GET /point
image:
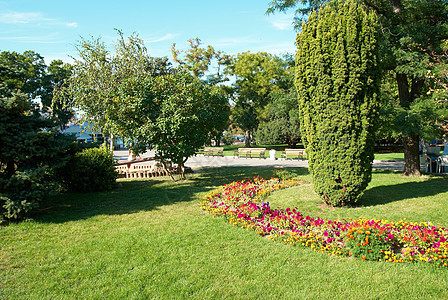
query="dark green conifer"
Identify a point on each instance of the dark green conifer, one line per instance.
(337, 81)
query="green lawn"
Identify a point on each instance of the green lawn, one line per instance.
(149, 239)
(389, 156)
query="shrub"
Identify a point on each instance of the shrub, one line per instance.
(228, 138)
(90, 170)
(21, 194)
(283, 174)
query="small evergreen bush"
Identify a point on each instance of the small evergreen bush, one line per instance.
(21, 193)
(90, 170)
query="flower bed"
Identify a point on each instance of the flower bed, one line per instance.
(241, 203)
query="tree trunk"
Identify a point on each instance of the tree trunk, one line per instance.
(247, 141)
(410, 142)
(181, 171)
(112, 142)
(411, 156)
(167, 169)
(292, 143)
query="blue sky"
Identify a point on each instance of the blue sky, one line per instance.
(52, 28)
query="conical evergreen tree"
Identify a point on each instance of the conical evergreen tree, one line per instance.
(337, 81)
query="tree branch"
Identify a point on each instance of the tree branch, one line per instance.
(377, 9)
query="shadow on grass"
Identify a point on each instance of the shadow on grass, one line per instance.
(384, 194)
(144, 195)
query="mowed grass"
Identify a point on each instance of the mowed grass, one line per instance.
(389, 156)
(150, 239)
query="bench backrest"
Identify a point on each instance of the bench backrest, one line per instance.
(257, 150)
(214, 149)
(294, 151)
(244, 150)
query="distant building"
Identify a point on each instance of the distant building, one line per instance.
(83, 133)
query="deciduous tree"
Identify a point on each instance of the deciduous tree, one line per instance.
(257, 75)
(207, 64)
(143, 99)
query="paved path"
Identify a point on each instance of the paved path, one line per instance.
(200, 161)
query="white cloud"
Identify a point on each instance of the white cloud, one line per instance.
(44, 39)
(31, 18)
(72, 24)
(281, 21)
(19, 18)
(232, 42)
(168, 36)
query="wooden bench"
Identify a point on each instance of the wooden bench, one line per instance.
(212, 151)
(250, 152)
(294, 154)
(128, 163)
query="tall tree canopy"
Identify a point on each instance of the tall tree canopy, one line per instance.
(409, 31)
(337, 83)
(199, 60)
(279, 121)
(257, 75)
(207, 64)
(142, 99)
(29, 68)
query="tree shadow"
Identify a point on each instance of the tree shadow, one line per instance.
(384, 194)
(144, 195)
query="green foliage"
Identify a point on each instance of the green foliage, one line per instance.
(90, 170)
(367, 244)
(337, 81)
(228, 138)
(181, 120)
(37, 80)
(56, 76)
(283, 174)
(144, 100)
(280, 122)
(29, 155)
(198, 60)
(21, 193)
(103, 85)
(29, 71)
(411, 37)
(257, 75)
